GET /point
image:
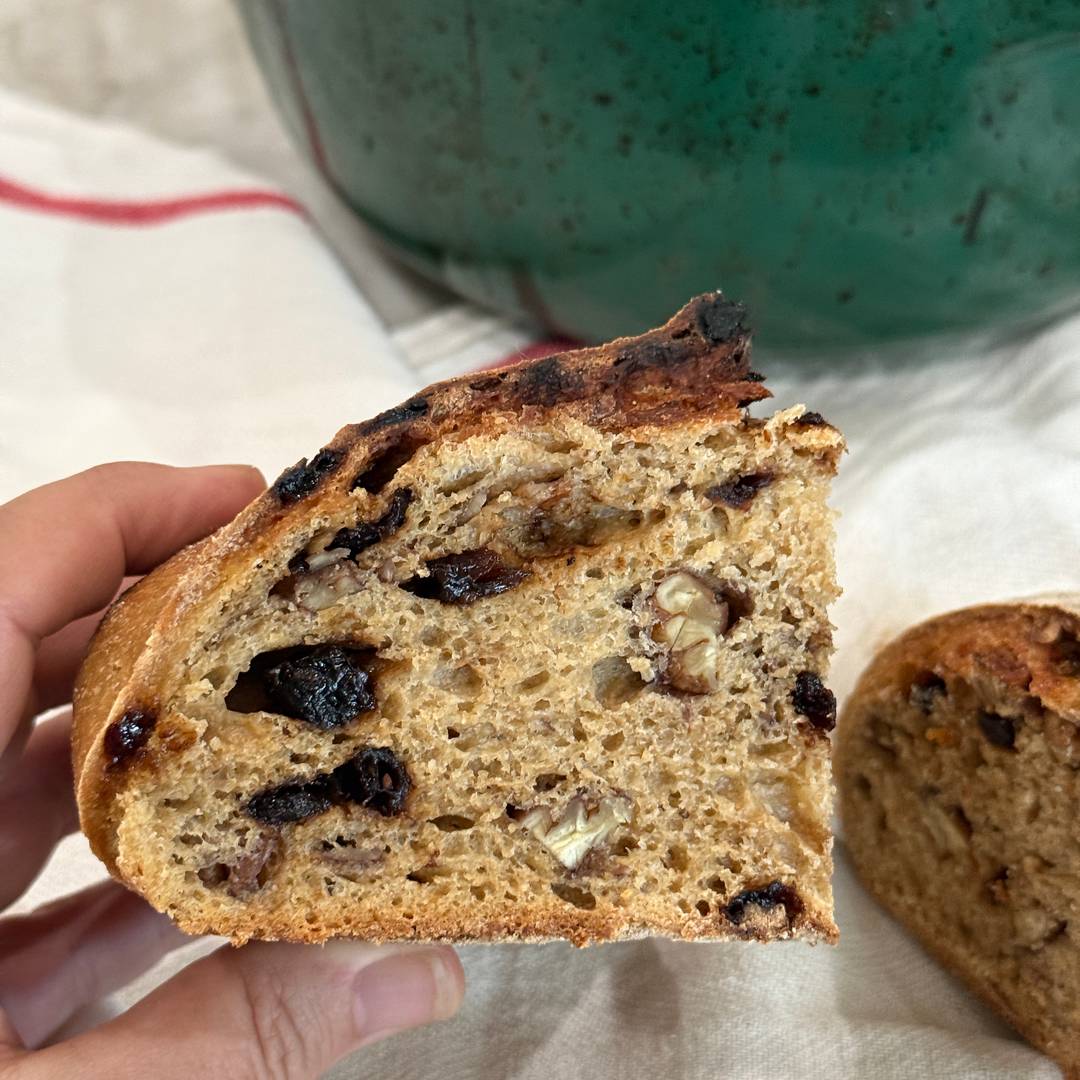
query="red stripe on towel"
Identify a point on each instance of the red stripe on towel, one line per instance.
(141, 211)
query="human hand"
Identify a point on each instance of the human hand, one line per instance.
(265, 1010)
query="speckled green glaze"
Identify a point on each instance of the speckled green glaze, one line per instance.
(857, 171)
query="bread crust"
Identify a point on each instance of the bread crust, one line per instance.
(696, 365)
(988, 639)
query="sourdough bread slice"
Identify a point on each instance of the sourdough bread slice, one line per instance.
(537, 654)
(958, 763)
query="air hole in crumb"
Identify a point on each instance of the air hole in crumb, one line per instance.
(623, 845)
(548, 781)
(299, 759)
(461, 481)
(613, 742)
(190, 839)
(595, 573)
(452, 823)
(579, 731)
(677, 858)
(463, 681)
(702, 907)
(541, 704)
(717, 885)
(580, 898)
(534, 682)
(380, 469)
(427, 874)
(452, 733)
(615, 682)
(216, 677)
(477, 892)
(432, 636)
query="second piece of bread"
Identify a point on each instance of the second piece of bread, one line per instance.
(958, 764)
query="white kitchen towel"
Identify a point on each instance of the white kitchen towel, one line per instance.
(157, 303)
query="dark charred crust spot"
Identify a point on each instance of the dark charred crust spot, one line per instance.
(546, 382)
(126, 737)
(369, 533)
(327, 686)
(490, 382)
(925, 691)
(814, 700)
(382, 466)
(374, 778)
(998, 730)
(739, 493)
(465, 577)
(753, 376)
(719, 320)
(410, 410)
(650, 356)
(305, 476)
(811, 419)
(775, 894)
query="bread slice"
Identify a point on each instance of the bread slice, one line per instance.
(536, 654)
(958, 763)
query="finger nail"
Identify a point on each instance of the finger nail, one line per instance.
(405, 991)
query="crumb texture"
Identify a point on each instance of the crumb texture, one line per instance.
(958, 761)
(530, 674)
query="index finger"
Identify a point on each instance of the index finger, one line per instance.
(65, 548)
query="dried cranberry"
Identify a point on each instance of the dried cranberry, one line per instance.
(125, 737)
(811, 419)
(999, 730)
(305, 476)
(814, 700)
(326, 687)
(926, 690)
(739, 493)
(775, 894)
(290, 802)
(375, 778)
(465, 577)
(369, 533)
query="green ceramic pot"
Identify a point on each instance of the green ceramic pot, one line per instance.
(857, 171)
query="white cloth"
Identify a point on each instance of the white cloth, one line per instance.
(233, 336)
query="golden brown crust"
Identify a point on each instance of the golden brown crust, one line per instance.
(996, 640)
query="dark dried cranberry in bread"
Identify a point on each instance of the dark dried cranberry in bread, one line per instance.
(999, 730)
(125, 737)
(305, 476)
(739, 493)
(369, 533)
(465, 577)
(775, 894)
(327, 687)
(290, 802)
(375, 778)
(814, 700)
(926, 690)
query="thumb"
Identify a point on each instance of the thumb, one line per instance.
(282, 1011)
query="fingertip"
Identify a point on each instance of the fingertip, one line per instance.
(406, 989)
(243, 475)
